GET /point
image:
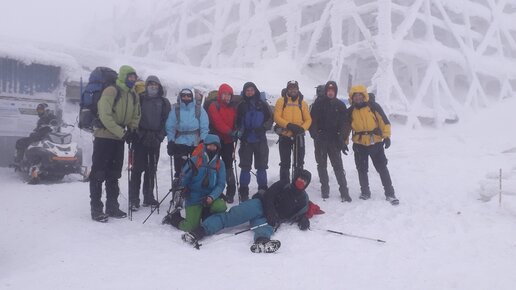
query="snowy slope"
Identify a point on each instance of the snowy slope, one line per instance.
(446, 234)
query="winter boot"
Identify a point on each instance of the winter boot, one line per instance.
(194, 237)
(265, 245)
(366, 193)
(174, 218)
(150, 201)
(230, 199)
(325, 191)
(243, 193)
(344, 195)
(116, 213)
(99, 216)
(392, 199)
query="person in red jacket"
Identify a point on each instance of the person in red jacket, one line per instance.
(222, 114)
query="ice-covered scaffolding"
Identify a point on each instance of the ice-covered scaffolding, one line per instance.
(424, 58)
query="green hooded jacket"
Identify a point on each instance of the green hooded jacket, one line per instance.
(125, 114)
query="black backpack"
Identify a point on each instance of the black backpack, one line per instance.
(100, 78)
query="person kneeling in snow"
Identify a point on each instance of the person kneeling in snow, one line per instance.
(282, 202)
(203, 179)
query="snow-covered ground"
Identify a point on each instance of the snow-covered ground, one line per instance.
(449, 231)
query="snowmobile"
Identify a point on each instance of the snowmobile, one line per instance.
(53, 157)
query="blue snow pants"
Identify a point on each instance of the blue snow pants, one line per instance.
(248, 211)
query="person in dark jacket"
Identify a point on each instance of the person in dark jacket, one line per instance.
(371, 136)
(329, 129)
(252, 116)
(281, 203)
(151, 132)
(222, 114)
(41, 130)
(120, 122)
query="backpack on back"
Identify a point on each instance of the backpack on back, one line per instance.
(100, 78)
(268, 124)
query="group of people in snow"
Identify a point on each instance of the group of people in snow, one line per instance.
(203, 142)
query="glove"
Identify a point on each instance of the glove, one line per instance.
(170, 148)
(130, 136)
(345, 149)
(303, 223)
(387, 142)
(296, 129)
(272, 219)
(207, 201)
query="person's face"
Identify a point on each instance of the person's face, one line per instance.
(153, 85)
(358, 98)
(226, 98)
(300, 183)
(211, 147)
(331, 93)
(132, 77)
(249, 92)
(186, 98)
(40, 111)
(292, 91)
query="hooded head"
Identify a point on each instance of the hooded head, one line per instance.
(126, 77)
(184, 92)
(139, 87)
(224, 88)
(249, 85)
(331, 85)
(302, 180)
(153, 91)
(212, 139)
(358, 89)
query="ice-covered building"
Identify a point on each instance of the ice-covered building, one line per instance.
(426, 59)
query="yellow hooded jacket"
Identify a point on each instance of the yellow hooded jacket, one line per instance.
(291, 114)
(367, 120)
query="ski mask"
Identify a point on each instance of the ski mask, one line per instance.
(152, 91)
(303, 179)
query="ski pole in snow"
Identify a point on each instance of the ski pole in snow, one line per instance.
(129, 170)
(157, 207)
(355, 236)
(500, 193)
(235, 163)
(156, 176)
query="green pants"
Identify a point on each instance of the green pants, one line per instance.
(194, 213)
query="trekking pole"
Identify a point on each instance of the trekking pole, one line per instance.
(235, 163)
(156, 176)
(129, 170)
(352, 236)
(155, 208)
(294, 162)
(237, 233)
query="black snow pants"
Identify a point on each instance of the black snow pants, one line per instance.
(377, 153)
(286, 145)
(227, 152)
(323, 150)
(144, 161)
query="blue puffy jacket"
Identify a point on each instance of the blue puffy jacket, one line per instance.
(190, 130)
(193, 177)
(252, 114)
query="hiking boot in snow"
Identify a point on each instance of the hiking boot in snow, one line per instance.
(135, 206)
(174, 218)
(194, 237)
(265, 245)
(116, 213)
(230, 199)
(150, 202)
(243, 194)
(325, 195)
(392, 199)
(99, 216)
(365, 196)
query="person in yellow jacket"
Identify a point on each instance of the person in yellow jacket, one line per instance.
(371, 132)
(292, 119)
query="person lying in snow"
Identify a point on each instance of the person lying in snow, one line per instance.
(282, 202)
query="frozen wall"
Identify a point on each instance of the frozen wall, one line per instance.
(425, 58)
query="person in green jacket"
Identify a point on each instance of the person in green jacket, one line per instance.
(119, 113)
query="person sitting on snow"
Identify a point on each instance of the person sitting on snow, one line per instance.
(282, 202)
(203, 179)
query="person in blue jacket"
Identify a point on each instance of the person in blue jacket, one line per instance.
(283, 202)
(202, 180)
(187, 124)
(252, 116)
